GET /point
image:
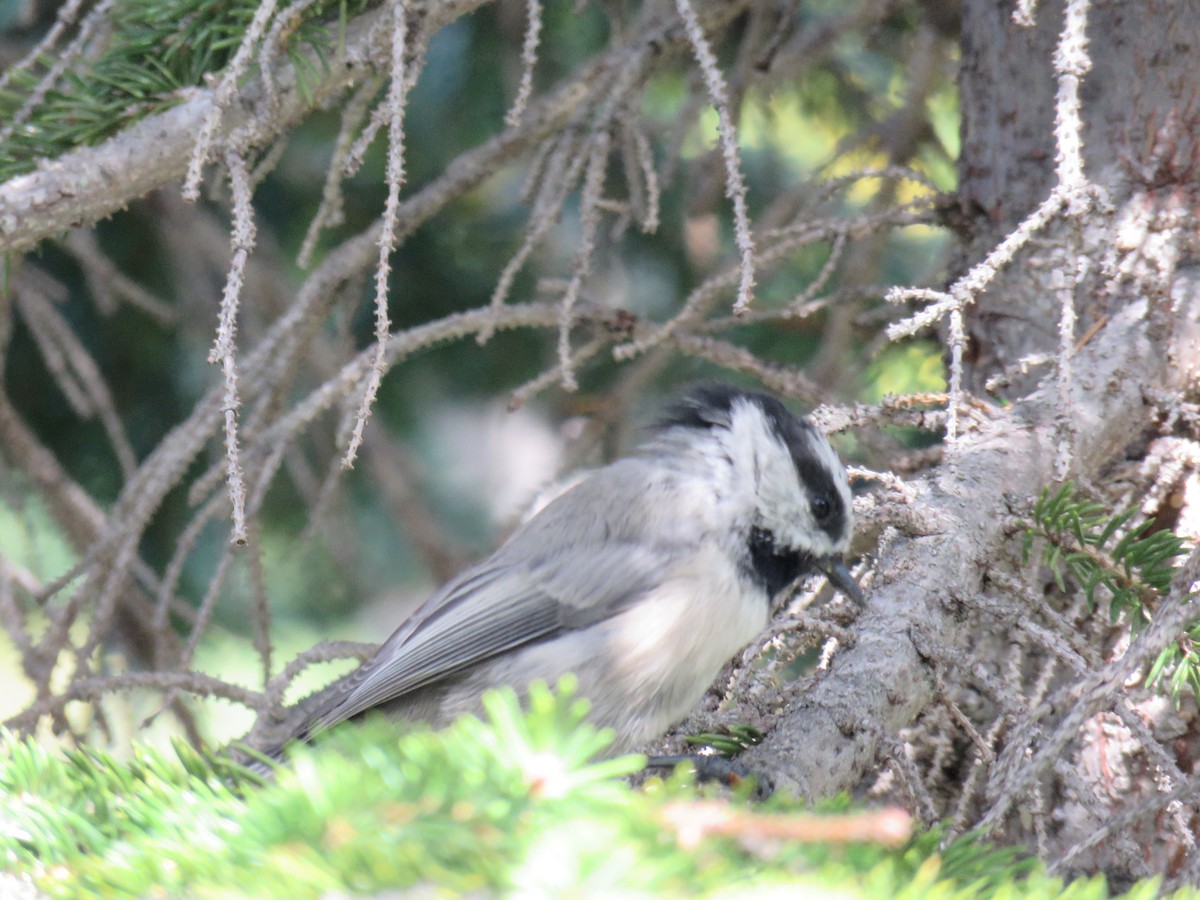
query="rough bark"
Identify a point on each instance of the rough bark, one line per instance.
(1139, 109)
(923, 583)
(922, 620)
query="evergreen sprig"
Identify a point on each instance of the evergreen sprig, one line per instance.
(1133, 564)
(155, 48)
(515, 804)
(733, 740)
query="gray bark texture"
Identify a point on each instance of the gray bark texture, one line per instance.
(1137, 116)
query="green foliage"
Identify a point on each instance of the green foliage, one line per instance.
(729, 743)
(1135, 569)
(514, 804)
(65, 815)
(158, 47)
(915, 367)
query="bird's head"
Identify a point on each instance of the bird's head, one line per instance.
(794, 497)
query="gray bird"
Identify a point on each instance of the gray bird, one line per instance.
(643, 579)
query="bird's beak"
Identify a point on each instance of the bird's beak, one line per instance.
(839, 576)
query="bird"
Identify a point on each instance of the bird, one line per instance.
(643, 579)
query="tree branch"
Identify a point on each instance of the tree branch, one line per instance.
(831, 738)
(90, 184)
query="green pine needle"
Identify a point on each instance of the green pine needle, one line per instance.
(156, 49)
(1136, 571)
(517, 804)
(729, 743)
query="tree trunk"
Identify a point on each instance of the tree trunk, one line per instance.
(1139, 140)
(983, 693)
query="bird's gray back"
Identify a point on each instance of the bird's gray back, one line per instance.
(585, 558)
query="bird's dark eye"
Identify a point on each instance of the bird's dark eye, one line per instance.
(821, 508)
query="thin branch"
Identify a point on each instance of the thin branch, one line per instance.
(735, 183)
(589, 214)
(224, 94)
(224, 350)
(62, 60)
(396, 103)
(533, 30)
(66, 17)
(155, 151)
(93, 688)
(329, 213)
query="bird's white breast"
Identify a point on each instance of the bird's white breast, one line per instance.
(670, 646)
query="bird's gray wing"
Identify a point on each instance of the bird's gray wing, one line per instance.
(512, 599)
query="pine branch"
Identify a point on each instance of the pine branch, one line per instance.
(1136, 570)
(87, 184)
(516, 804)
(154, 50)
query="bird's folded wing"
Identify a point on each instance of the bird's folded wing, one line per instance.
(492, 609)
